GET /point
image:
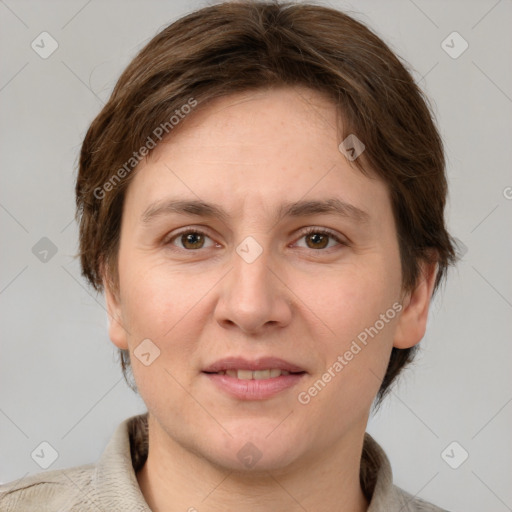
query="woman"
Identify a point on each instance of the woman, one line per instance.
(262, 202)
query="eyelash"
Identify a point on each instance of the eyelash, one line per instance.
(309, 231)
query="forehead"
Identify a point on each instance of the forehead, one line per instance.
(255, 149)
(258, 123)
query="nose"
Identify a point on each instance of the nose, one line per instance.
(254, 297)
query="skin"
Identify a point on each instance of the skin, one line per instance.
(250, 153)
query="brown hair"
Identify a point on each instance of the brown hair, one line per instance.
(238, 46)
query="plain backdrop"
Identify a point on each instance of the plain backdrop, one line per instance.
(60, 381)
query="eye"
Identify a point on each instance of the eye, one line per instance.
(317, 238)
(192, 239)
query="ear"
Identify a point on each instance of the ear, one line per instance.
(116, 330)
(413, 320)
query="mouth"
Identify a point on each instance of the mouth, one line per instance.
(270, 373)
(253, 380)
(245, 369)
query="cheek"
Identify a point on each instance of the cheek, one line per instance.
(154, 298)
(353, 300)
(166, 307)
(354, 361)
(162, 307)
(359, 306)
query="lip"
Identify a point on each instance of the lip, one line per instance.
(253, 389)
(262, 363)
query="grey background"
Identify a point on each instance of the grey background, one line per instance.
(59, 378)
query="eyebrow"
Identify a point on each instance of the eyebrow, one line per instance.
(333, 206)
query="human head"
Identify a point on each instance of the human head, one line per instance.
(241, 46)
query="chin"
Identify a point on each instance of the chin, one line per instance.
(254, 450)
(253, 461)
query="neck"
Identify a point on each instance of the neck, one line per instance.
(176, 479)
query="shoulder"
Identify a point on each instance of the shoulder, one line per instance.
(377, 481)
(64, 489)
(409, 503)
(108, 484)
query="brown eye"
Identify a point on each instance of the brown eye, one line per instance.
(318, 240)
(192, 240)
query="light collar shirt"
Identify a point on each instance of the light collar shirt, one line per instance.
(110, 485)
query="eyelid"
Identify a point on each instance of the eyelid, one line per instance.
(187, 229)
(323, 231)
(304, 232)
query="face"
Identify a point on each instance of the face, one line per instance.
(274, 281)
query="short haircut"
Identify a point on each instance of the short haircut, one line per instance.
(235, 47)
